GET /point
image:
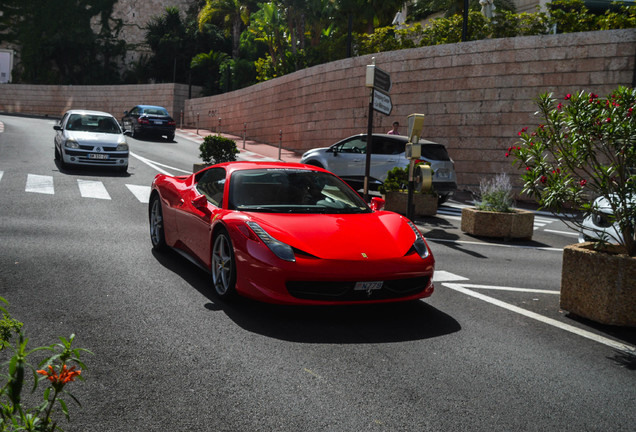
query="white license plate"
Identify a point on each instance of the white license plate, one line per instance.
(97, 156)
(442, 174)
(368, 286)
(158, 122)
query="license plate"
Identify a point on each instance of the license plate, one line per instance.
(158, 122)
(368, 286)
(442, 174)
(97, 156)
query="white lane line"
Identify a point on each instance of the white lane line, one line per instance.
(142, 193)
(500, 288)
(92, 189)
(157, 165)
(39, 184)
(444, 276)
(1, 173)
(584, 333)
(492, 244)
(569, 233)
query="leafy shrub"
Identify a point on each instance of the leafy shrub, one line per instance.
(584, 147)
(218, 149)
(496, 194)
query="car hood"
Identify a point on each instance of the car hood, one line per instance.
(378, 235)
(95, 137)
(313, 152)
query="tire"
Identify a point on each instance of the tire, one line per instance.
(170, 137)
(57, 154)
(223, 266)
(155, 216)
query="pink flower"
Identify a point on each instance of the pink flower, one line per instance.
(583, 182)
(543, 179)
(568, 96)
(559, 106)
(524, 130)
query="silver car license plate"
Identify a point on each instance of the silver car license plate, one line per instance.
(97, 156)
(368, 286)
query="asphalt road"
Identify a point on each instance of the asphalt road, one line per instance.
(489, 351)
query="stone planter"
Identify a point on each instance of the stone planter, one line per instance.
(518, 224)
(598, 285)
(425, 204)
(199, 166)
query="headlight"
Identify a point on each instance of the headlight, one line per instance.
(122, 145)
(280, 249)
(71, 143)
(419, 244)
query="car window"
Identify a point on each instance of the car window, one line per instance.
(435, 152)
(134, 111)
(212, 184)
(156, 111)
(356, 145)
(386, 146)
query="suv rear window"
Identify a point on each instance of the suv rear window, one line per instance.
(435, 152)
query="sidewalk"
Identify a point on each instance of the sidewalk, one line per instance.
(250, 150)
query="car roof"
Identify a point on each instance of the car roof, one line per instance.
(151, 106)
(88, 112)
(249, 165)
(403, 138)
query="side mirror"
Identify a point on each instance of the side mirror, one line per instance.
(57, 127)
(125, 113)
(377, 204)
(200, 203)
(127, 132)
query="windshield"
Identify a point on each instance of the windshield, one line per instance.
(292, 191)
(92, 123)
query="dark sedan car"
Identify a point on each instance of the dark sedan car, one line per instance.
(149, 120)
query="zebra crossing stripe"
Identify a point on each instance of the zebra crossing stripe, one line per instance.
(1, 173)
(92, 189)
(39, 184)
(142, 193)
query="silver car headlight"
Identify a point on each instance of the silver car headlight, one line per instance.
(280, 249)
(71, 143)
(122, 145)
(419, 244)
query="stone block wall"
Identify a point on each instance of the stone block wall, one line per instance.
(476, 95)
(55, 100)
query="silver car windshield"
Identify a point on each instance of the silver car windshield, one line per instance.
(92, 123)
(293, 191)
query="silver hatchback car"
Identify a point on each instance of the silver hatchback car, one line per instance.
(347, 159)
(90, 138)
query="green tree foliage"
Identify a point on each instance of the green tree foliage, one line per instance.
(57, 43)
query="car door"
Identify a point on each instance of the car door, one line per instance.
(347, 158)
(386, 154)
(201, 202)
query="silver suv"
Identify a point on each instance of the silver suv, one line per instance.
(347, 160)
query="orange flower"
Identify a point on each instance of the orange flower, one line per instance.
(66, 375)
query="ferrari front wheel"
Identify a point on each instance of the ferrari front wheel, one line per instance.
(157, 235)
(223, 266)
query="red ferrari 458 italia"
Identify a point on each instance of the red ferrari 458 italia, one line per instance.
(289, 233)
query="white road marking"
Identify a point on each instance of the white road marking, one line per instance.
(39, 184)
(444, 276)
(157, 165)
(569, 233)
(1, 173)
(500, 288)
(92, 189)
(493, 244)
(142, 193)
(584, 333)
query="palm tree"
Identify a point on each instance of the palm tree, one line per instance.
(232, 14)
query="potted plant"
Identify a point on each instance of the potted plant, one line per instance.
(394, 190)
(495, 215)
(216, 148)
(585, 148)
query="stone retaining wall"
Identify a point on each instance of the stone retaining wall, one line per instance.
(476, 95)
(54, 100)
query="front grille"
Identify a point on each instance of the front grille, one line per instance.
(343, 291)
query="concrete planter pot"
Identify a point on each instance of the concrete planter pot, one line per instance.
(598, 285)
(425, 204)
(199, 166)
(518, 224)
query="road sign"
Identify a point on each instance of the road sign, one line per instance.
(378, 79)
(382, 102)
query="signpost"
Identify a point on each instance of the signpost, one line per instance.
(380, 83)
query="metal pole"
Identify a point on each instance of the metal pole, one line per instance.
(280, 142)
(244, 134)
(218, 130)
(367, 165)
(197, 123)
(411, 186)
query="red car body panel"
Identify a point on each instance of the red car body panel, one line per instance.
(338, 248)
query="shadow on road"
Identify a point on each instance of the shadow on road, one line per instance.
(377, 323)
